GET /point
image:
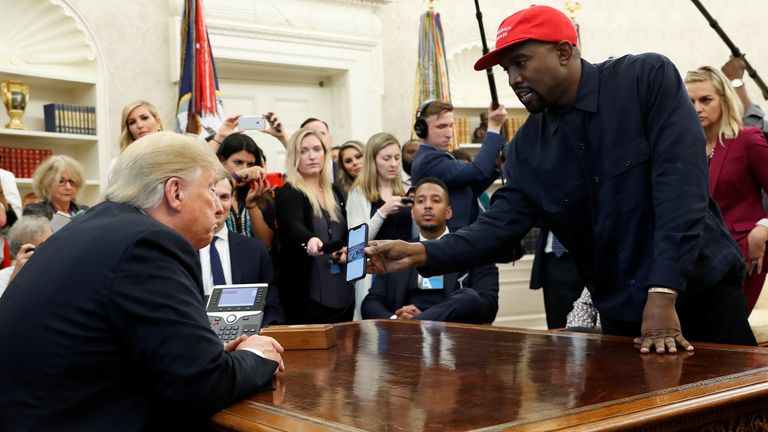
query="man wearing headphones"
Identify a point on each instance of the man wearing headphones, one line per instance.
(465, 181)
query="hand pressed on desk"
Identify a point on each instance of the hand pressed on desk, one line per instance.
(267, 345)
(661, 326)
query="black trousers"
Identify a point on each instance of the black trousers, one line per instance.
(717, 314)
(562, 286)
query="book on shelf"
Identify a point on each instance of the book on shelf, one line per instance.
(22, 162)
(72, 119)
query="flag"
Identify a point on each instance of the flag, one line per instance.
(200, 109)
(432, 68)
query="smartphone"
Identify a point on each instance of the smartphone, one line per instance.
(252, 122)
(275, 179)
(406, 201)
(357, 238)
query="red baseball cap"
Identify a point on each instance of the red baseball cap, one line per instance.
(541, 23)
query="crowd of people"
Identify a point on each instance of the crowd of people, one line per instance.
(644, 226)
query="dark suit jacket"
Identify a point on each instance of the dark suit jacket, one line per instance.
(45, 209)
(389, 292)
(250, 263)
(465, 181)
(737, 174)
(104, 330)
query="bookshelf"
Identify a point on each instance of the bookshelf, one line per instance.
(66, 72)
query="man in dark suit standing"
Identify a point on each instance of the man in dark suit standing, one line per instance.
(238, 259)
(470, 297)
(610, 160)
(115, 336)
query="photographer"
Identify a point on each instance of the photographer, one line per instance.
(253, 211)
(23, 238)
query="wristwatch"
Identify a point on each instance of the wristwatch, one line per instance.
(737, 83)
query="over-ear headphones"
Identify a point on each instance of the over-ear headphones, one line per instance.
(420, 126)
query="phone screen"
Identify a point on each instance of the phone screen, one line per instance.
(357, 238)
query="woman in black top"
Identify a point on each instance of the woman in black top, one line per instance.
(312, 231)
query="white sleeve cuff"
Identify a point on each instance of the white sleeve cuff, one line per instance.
(763, 222)
(255, 351)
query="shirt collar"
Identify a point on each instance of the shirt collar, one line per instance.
(223, 233)
(586, 96)
(422, 238)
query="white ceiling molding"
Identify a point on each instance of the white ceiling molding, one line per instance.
(44, 33)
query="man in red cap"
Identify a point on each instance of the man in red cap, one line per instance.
(611, 160)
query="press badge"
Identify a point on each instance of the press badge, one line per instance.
(335, 269)
(435, 282)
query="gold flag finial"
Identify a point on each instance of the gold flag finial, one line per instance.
(572, 6)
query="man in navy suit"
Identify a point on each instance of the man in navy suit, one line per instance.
(242, 260)
(466, 181)
(104, 328)
(471, 297)
(610, 160)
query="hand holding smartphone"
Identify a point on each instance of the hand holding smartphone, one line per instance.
(251, 122)
(357, 239)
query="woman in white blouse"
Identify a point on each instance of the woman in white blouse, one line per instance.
(378, 198)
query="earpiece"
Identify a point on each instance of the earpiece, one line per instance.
(420, 126)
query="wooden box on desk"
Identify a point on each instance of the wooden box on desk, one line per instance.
(307, 336)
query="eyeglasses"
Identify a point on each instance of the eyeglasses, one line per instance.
(71, 182)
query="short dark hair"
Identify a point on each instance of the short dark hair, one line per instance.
(434, 181)
(436, 108)
(312, 119)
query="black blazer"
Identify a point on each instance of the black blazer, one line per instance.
(250, 263)
(115, 335)
(294, 229)
(45, 209)
(389, 292)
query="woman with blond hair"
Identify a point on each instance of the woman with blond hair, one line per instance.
(56, 181)
(378, 199)
(139, 118)
(312, 230)
(738, 169)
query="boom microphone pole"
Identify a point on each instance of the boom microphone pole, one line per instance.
(489, 71)
(734, 49)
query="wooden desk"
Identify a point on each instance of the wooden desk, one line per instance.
(410, 376)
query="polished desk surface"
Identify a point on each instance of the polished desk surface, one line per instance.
(392, 375)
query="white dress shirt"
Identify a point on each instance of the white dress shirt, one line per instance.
(11, 191)
(222, 246)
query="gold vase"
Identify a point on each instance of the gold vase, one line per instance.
(15, 98)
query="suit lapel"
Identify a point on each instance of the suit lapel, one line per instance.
(412, 280)
(449, 283)
(716, 164)
(234, 257)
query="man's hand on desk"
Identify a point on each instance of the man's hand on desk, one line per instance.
(661, 326)
(387, 256)
(407, 312)
(265, 344)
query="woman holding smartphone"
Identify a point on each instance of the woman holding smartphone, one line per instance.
(378, 199)
(253, 211)
(313, 228)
